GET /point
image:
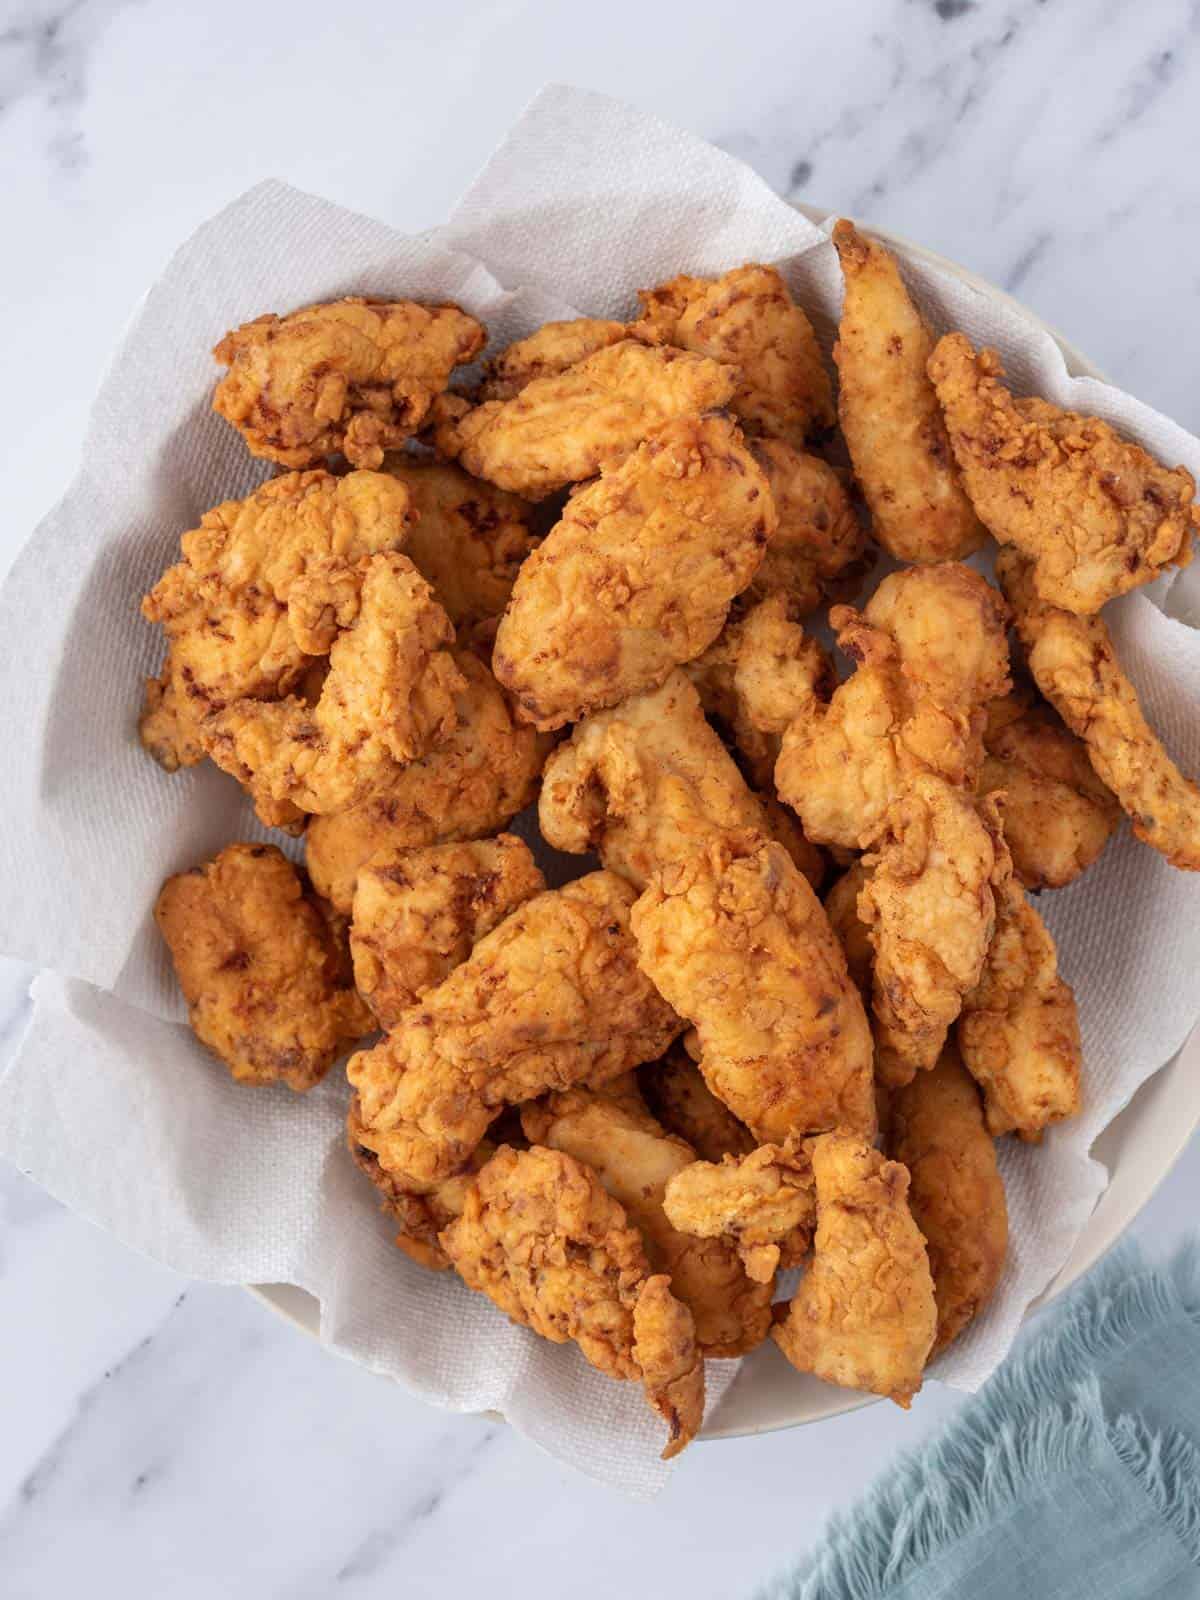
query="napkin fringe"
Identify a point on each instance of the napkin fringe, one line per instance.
(1167, 1467)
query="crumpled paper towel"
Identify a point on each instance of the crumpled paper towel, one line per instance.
(111, 1104)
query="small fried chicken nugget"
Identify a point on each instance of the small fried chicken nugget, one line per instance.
(469, 539)
(260, 967)
(764, 1203)
(931, 649)
(636, 1160)
(675, 1090)
(748, 320)
(354, 375)
(419, 913)
(389, 696)
(854, 935)
(637, 576)
(469, 786)
(1096, 514)
(736, 940)
(864, 1315)
(542, 1239)
(551, 350)
(1019, 1029)
(956, 1193)
(818, 547)
(930, 909)
(890, 415)
(237, 610)
(567, 427)
(550, 998)
(1058, 815)
(1074, 665)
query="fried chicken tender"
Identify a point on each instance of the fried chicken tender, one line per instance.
(756, 678)
(930, 909)
(469, 539)
(763, 1203)
(260, 967)
(1097, 515)
(890, 415)
(541, 1238)
(636, 1160)
(1058, 815)
(736, 940)
(864, 1315)
(1019, 1029)
(956, 1193)
(638, 574)
(419, 913)
(469, 786)
(389, 696)
(645, 785)
(555, 347)
(818, 547)
(748, 320)
(550, 998)
(1074, 665)
(854, 935)
(675, 1090)
(568, 426)
(931, 651)
(354, 375)
(238, 610)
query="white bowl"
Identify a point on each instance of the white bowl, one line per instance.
(1138, 1148)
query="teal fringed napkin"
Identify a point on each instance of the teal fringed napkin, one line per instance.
(1074, 1475)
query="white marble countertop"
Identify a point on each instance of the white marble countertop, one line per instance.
(168, 1438)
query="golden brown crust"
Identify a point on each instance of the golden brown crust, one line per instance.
(352, 375)
(854, 935)
(864, 1315)
(638, 574)
(470, 785)
(763, 1203)
(419, 913)
(818, 549)
(550, 350)
(1097, 515)
(664, 1347)
(956, 1193)
(890, 415)
(260, 967)
(1074, 664)
(675, 1090)
(551, 998)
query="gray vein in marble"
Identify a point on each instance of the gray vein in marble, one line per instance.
(1154, 77)
(1028, 259)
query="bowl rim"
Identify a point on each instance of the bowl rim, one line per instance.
(1168, 1102)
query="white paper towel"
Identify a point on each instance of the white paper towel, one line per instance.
(110, 1103)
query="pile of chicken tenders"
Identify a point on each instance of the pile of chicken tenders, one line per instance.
(590, 573)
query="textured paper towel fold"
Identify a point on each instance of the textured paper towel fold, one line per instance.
(110, 1103)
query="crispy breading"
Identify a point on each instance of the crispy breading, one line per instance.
(551, 998)
(1019, 1029)
(956, 1193)
(763, 1203)
(469, 539)
(260, 967)
(240, 610)
(748, 320)
(1074, 664)
(931, 651)
(738, 943)
(637, 576)
(675, 1090)
(566, 427)
(419, 913)
(930, 910)
(353, 375)
(541, 1238)
(553, 348)
(890, 415)
(389, 696)
(818, 548)
(1097, 514)
(1058, 815)
(864, 1315)
(470, 785)
(636, 1160)
(854, 935)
